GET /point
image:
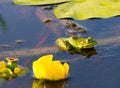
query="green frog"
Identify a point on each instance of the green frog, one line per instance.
(75, 43)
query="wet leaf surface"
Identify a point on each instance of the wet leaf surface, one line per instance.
(38, 2)
(84, 9)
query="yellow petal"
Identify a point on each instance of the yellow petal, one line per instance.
(54, 71)
(2, 66)
(38, 70)
(38, 66)
(45, 59)
(45, 68)
(66, 69)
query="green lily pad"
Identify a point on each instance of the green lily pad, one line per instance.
(84, 9)
(38, 2)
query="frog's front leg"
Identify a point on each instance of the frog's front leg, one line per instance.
(63, 44)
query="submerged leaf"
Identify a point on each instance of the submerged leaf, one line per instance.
(84, 9)
(45, 68)
(38, 2)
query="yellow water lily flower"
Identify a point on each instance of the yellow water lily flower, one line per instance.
(2, 66)
(45, 68)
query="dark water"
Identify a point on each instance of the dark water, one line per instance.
(25, 23)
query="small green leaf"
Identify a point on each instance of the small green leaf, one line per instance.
(38, 2)
(84, 9)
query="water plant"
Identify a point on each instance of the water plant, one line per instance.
(46, 68)
(79, 9)
(11, 69)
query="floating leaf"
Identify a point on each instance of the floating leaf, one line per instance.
(84, 9)
(38, 2)
(45, 68)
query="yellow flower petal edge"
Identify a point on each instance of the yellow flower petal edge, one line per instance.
(46, 68)
(45, 59)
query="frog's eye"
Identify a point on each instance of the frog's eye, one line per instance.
(89, 38)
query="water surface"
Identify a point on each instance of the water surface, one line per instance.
(26, 23)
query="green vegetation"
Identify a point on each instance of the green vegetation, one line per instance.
(10, 69)
(79, 9)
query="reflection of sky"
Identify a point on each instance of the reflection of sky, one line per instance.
(23, 24)
(26, 28)
(101, 28)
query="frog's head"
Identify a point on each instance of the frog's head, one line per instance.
(88, 43)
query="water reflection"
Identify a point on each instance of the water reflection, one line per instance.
(85, 52)
(3, 24)
(43, 15)
(49, 84)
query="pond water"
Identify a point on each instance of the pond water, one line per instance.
(100, 70)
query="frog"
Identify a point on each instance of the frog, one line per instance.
(75, 43)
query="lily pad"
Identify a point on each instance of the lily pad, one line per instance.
(84, 9)
(38, 2)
